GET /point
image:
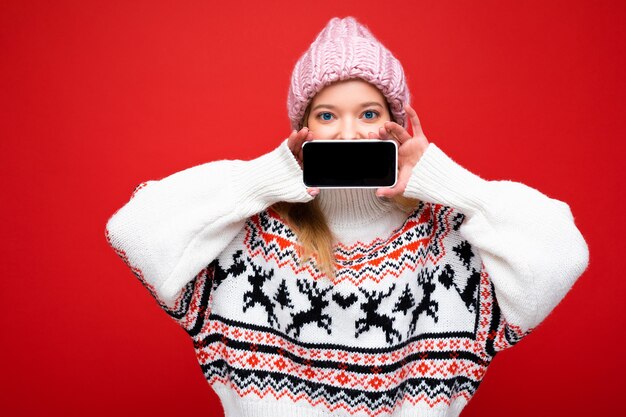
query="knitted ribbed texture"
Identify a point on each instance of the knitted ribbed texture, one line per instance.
(346, 49)
(353, 206)
(278, 177)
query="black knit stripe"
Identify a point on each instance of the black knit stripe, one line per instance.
(493, 324)
(185, 300)
(433, 388)
(500, 325)
(327, 364)
(439, 335)
(203, 308)
(202, 283)
(513, 337)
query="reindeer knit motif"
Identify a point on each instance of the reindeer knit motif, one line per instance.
(411, 321)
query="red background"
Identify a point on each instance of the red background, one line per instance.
(97, 97)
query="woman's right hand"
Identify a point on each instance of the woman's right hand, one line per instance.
(295, 141)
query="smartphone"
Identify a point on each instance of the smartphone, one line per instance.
(350, 163)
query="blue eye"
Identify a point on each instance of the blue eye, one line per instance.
(322, 115)
(370, 112)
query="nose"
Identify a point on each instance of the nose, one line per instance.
(350, 130)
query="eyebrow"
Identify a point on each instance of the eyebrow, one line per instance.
(367, 104)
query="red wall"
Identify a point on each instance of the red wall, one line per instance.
(97, 97)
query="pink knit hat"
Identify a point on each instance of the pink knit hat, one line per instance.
(346, 49)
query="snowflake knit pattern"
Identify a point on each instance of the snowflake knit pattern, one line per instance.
(407, 328)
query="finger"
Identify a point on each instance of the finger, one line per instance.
(397, 131)
(308, 138)
(291, 139)
(302, 136)
(295, 140)
(416, 125)
(403, 179)
(299, 155)
(313, 191)
(384, 135)
(298, 137)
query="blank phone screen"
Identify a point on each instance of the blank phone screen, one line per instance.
(349, 163)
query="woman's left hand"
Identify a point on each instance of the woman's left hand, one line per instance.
(410, 150)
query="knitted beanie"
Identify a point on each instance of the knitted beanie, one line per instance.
(346, 49)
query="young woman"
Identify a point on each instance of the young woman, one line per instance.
(312, 302)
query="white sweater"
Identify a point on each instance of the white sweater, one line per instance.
(422, 302)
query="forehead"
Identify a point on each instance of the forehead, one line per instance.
(348, 91)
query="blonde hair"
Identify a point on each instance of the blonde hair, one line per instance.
(311, 228)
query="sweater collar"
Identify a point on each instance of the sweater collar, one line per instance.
(351, 207)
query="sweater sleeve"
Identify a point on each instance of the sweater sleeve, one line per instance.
(171, 229)
(528, 242)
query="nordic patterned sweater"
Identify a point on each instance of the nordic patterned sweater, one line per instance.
(421, 304)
